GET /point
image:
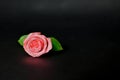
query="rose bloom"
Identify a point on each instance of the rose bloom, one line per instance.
(36, 44)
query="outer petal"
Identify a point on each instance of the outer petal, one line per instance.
(38, 33)
(49, 47)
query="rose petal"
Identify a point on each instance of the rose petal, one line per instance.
(49, 47)
(45, 45)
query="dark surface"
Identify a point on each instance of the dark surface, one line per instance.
(90, 40)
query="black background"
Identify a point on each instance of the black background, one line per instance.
(87, 29)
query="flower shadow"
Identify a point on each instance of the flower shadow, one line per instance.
(52, 53)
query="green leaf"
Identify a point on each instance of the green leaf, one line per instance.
(56, 44)
(21, 39)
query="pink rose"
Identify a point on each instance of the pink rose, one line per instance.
(36, 44)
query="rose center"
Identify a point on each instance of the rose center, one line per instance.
(35, 46)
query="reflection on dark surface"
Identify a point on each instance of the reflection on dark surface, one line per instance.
(35, 62)
(37, 68)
